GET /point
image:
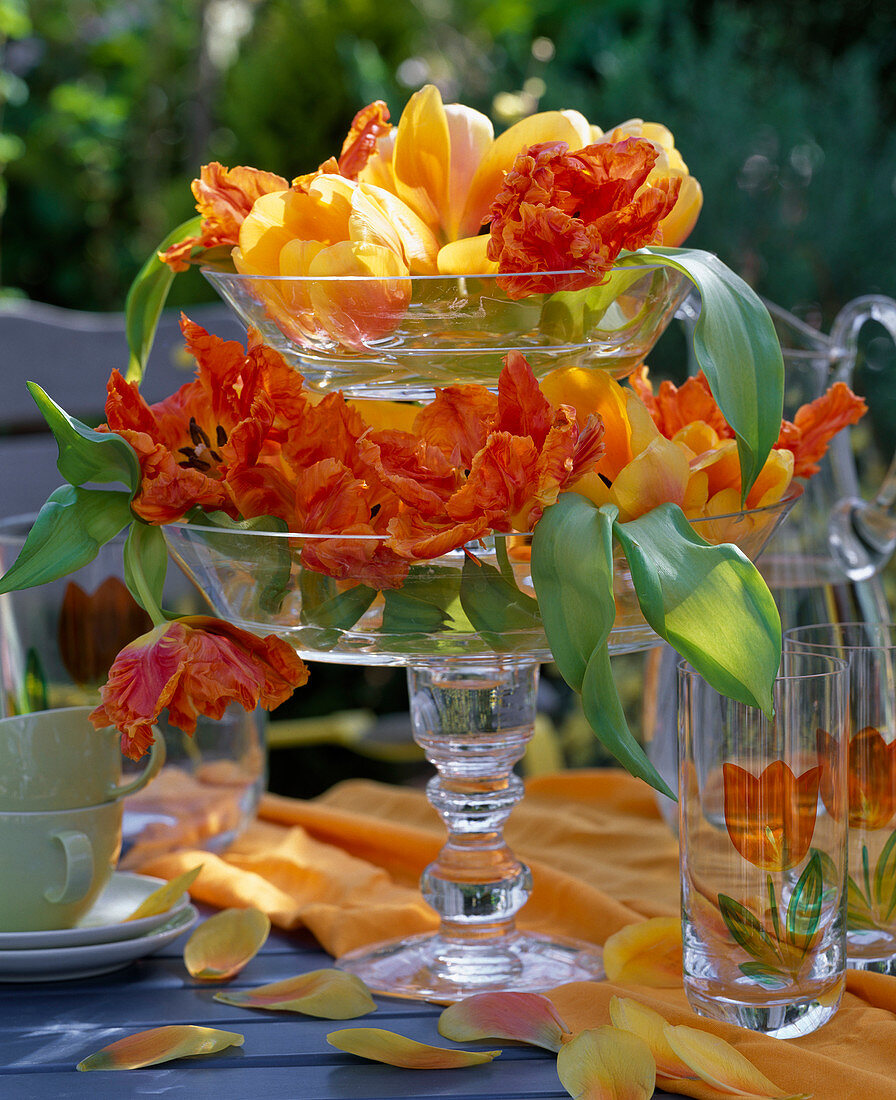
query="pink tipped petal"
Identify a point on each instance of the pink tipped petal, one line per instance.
(646, 953)
(161, 900)
(221, 946)
(161, 1044)
(604, 1063)
(524, 1017)
(629, 1015)
(329, 994)
(719, 1064)
(396, 1050)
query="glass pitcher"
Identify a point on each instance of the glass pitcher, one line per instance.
(824, 562)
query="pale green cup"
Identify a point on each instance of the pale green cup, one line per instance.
(54, 864)
(56, 760)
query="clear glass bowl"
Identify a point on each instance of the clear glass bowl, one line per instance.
(458, 605)
(399, 338)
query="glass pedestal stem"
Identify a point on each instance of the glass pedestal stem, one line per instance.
(473, 720)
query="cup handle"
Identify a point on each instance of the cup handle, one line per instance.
(862, 533)
(78, 868)
(156, 760)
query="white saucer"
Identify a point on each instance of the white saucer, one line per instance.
(106, 920)
(51, 964)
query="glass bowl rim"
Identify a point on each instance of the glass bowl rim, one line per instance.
(792, 634)
(182, 525)
(214, 272)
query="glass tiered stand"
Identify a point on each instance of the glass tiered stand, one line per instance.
(472, 686)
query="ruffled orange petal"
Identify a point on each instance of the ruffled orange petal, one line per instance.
(195, 665)
(818, 422)
(360, 143)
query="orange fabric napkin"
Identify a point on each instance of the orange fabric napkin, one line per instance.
(346, 866)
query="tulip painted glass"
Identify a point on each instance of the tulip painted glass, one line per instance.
(870, 651)
(763, 849)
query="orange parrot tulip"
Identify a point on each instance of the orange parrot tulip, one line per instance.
(871, 782)
(771, 819)
(169, 667)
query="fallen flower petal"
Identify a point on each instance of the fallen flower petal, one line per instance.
(221, 946)
(161, 1044)
(396, 1050)
(329, 994)
(719, 1064)
(161, 900)
(524, 1017)
(629, 1015)
(604, 1063)
(646, 953)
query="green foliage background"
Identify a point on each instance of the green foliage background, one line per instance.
(786, 112)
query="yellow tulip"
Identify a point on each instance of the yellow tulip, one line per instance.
(326, 225)
(447, 165)
(677, 225)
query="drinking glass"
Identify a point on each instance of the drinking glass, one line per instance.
(870, 651)
(763, 848)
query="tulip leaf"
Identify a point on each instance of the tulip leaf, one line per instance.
(568, 316)
(572, 569)
(323, 605)
(804, 907)
(708, 602)
(885, 878)
(85, 454)
(493, 603)
(747, 931)
(736, 347)
(67, 534)
(146, 564)
(146, 299)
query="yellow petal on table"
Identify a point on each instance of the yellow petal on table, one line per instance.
(161, 900)
(629, 1015)
(719, 1064)
(380, 414)
(604, 1063)
(524, 1017)
(221, 946)
(161, 1044)
(647, 953)
(329, 994)
(397, 1050)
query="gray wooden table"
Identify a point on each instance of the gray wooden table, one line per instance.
(47, 1028)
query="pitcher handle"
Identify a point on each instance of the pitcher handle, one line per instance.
(156, 760)
(862, 533)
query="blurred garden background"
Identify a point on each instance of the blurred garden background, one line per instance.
(785, 111)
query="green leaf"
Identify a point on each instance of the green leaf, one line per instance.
(804, 908)
(146, 565)
(710, 603)
(407, 614)
(324, 605)
(747, 932)
(568, 315)
(885, 878)
(603, 709)
(84, 454)
(768, 976)
(493, 604)
(146, 299)
(67, 534)
(736, 346)
(572, 570)
(35, 686)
